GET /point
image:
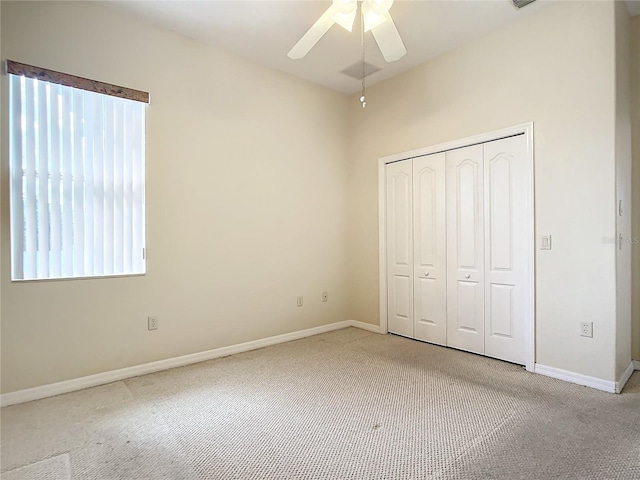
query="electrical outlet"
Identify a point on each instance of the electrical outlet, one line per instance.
(586, 329)
(325, 297)
(152, 323)
(300, 301)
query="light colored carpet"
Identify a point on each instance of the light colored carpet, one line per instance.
(344, 405)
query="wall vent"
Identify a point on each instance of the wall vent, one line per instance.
(355, 70)
(522, 3)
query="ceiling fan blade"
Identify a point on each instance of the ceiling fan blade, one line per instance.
(389, 41)
(314, 34)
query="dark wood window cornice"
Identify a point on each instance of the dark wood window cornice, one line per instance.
(52, 76)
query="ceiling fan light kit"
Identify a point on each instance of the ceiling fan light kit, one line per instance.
(345, 13)
(376, 18)
(375, 13)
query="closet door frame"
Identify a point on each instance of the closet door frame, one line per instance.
(525, 129)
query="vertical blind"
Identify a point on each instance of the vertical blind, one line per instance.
(77, 182)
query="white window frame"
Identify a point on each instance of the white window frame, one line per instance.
(88, 219)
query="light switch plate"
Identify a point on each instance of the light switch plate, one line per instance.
(545, 243)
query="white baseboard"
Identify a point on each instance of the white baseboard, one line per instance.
(365, 326)
(567, 376)
(36, 393)
(636, 364)
(624, 378)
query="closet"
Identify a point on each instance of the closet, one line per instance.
(458, 248)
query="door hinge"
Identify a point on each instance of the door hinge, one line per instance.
(144, 253)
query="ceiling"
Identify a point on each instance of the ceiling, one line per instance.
(264, 31)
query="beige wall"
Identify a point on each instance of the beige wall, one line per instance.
(635, 119)
(557, 69)
(246, 182)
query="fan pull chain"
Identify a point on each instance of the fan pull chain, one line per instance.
(363, 98)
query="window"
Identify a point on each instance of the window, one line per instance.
(77, 165)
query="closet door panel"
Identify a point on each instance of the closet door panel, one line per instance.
(399, 238)
(507, 185)
(465, 249)
(429, 229)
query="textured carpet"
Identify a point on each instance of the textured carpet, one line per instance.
(343, 405)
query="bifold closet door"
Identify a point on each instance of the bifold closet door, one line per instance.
(507, 183)
(399, 238)
(465, 249)
(429, 249)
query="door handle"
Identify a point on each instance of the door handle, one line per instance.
(467, 276)
(426, 274)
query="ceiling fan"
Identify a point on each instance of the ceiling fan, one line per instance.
(376, 17)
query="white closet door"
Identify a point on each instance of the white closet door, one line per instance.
(465, 249)
(507, 183)
(399, 249)
(429, 247)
